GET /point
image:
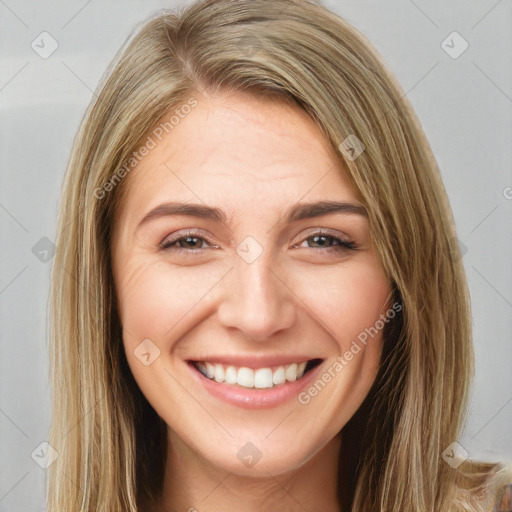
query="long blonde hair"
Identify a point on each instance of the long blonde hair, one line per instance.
(110, 442)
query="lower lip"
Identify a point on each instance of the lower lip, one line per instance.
(255, 398)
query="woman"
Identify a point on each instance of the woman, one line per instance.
(256, 301)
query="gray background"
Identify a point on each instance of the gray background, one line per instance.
(463, 103)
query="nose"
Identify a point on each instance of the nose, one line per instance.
(257, 300)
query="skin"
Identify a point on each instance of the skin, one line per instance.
(254, 159)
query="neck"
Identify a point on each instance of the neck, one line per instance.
(192, 484)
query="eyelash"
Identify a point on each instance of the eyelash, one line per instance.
(341, 244)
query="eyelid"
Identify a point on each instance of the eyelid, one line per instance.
(345, 242)
(192, 232)
(326, 231)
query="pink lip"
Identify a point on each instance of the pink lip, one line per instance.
(252, 398)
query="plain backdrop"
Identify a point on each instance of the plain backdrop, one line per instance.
(463, 100)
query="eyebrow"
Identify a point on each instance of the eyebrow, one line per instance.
(298, 212)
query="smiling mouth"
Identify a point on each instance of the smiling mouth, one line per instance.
(259, 378)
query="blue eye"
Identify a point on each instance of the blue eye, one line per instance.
(336, 244)
(192, 243)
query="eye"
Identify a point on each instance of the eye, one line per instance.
(193, 242)
(189, 242)
(329, 242)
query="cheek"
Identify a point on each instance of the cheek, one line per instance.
(347, 301)
(155, 297)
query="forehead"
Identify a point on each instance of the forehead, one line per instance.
(237, 150)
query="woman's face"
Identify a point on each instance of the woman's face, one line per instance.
(279, 302)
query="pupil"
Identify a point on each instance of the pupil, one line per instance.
(189, 238)
(316, 239)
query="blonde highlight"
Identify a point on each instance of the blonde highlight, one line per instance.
(110, 442)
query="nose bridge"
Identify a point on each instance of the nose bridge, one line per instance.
(256, 301)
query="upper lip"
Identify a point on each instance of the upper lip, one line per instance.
(264, 361)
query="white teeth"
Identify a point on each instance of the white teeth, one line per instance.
(230, 376)
(260, 378)
(279, 376)
(219, 373)
(245, 377)
(291, 372)
(263, 378)
(210, 370)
